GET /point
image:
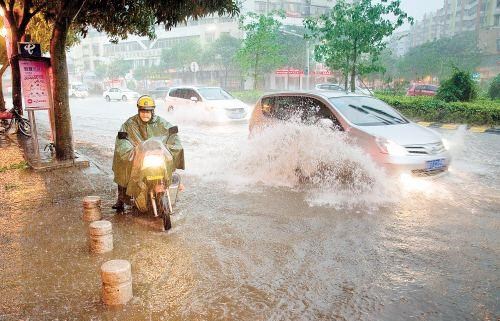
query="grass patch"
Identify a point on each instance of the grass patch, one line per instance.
(20, 165)
(248, 96)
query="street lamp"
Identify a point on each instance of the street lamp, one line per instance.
(307, 53)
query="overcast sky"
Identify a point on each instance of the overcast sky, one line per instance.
(417, 8)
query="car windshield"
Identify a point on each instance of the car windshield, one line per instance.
(367, 111)
(214, 94)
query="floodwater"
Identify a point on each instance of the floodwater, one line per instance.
(251, 242)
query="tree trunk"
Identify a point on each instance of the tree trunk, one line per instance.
(255, 72)
(353, 70)
(63, 129)
(16, 74)
(5, 65)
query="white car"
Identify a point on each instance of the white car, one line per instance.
(388, 137)
(78, 91)
(209, 99)
(120, 94)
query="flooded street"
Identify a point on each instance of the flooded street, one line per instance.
(249, 242)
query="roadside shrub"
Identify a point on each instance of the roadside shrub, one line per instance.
(422, 108)
(248, 96)
(460, 87)
(494, 90)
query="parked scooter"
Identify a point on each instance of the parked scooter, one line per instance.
(155, 183)
(12, 118)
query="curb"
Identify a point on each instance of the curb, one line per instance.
(472, 129)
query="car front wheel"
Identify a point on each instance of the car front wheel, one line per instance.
(124, 98)
(108, 99)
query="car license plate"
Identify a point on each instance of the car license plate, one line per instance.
(435, 164)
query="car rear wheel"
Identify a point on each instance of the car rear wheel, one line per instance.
(124, 98)
(108, 99)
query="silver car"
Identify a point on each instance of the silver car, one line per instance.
(391, 139)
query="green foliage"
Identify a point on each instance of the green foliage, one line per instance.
(479, 112)
(494, 90)
(40, 30)
(222, 52)
(437, 58)
(248, 96)
(20, 165)
(352, 36)
(460, 87)
(118, 68)
(261, 51)
(182, 54)
(294, 48)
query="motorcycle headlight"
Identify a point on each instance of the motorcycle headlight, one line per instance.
(389, 147)
(153, 161)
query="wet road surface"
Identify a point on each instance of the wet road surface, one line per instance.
(249, 243)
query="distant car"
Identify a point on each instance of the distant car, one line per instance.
(338, 87)
(78, 91)
(120, 94)
(159, 92)
(393, 141)
(211, 99)
(422, 90)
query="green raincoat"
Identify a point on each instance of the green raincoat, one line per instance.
(138, 131)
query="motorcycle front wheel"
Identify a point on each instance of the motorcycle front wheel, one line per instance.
(164, 212)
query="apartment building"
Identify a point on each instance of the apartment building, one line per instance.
(456, 16)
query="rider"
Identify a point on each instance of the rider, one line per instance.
(135, 130)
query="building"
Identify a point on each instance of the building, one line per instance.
(141, 51)
(455, 17)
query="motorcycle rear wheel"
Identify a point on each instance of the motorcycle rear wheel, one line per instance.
(24, 127)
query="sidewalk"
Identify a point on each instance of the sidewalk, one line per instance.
(40, 225)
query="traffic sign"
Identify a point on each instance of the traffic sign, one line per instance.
(194, 67)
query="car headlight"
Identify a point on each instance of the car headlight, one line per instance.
(446, 143)
(153, 161)
(389, 147)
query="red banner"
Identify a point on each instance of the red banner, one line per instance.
(289, 71)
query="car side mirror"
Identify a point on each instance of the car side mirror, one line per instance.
(195, 99)
(122, 135)
(173, 130)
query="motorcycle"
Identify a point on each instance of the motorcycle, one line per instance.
(155, 185)
(12, 118)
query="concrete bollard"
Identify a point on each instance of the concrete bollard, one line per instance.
(100, 237)
(91, 209)
(116, 279)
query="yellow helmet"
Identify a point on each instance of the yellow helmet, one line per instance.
(145, 102)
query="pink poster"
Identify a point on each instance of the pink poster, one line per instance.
(35, 84)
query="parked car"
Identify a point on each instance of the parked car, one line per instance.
(339, 87)
(392, 140)
(422, 90)
(159, 92)
(212, 99)
(120, 94)
(78, 91)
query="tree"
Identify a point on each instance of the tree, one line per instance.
(352, 36)
(437, 58)
(261, 51)
(18, 13)
(460, 87)
(222, 54)
(181, 55)
(494, 90)
(118, 68)
(4, 61)
(117, 18)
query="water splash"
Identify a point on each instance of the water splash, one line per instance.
(308, 158)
